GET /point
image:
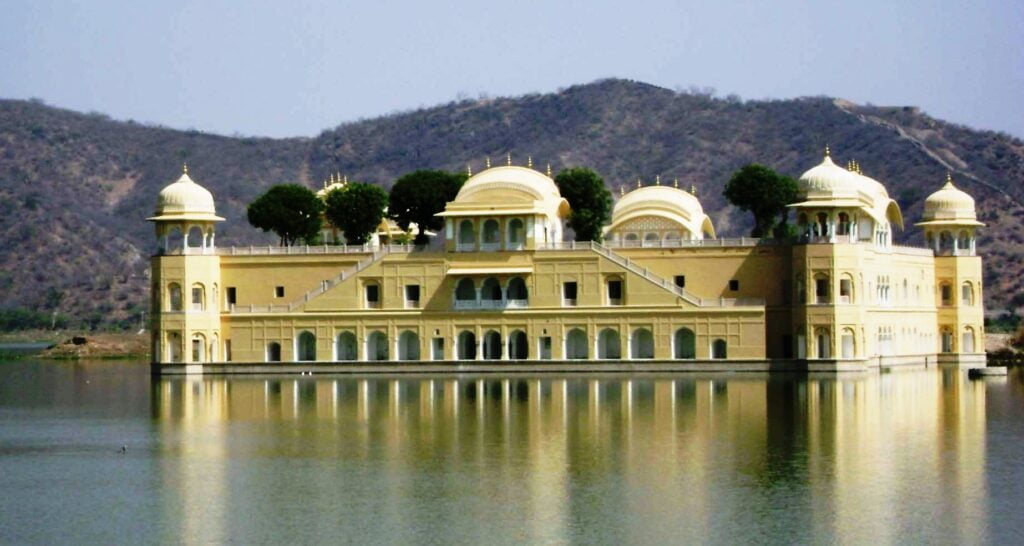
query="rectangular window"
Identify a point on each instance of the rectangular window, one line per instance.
(845, 289)
(372, 296)
(680, 281)
(197, 299)
(278, 291)
(437, 348)
(821, 289)
(947, 294)
(412, 296)
(197, 349)
(545, 348)
(615, 292)
(734, 285)
(569, 294)
(231, 296)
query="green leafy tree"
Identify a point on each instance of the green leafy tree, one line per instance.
(416, 198)
(357, 210)
(289, 210)
(590, 201)
(764, 193)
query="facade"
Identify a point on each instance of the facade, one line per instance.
(506, 292)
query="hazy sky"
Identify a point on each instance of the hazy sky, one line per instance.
(297, 67)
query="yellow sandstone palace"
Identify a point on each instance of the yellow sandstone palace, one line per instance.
(507, 293)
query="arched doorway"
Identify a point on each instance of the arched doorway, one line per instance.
(849, 344)
(642, 344)
(305, 347)
(492, 345)
(609, 346)
(173, 347)
(576, 345)
(719, 349)
(273, 352)
(518, 348)
(466, 345)
(685, 343)
(377, 346)
(198, 348)
(408, 346)
(517, 289)
(824, 343)
(345, 347)
(967, 341)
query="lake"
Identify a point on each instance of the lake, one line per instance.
(909, 456)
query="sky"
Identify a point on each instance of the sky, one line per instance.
(295, 68)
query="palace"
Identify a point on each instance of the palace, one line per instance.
(505, 292)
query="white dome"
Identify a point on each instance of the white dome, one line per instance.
(829, 180)
(949, 205)
(508, 190)
(185, 200)
(678, 206)
(521, 178)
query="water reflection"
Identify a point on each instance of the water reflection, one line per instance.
(603, 458)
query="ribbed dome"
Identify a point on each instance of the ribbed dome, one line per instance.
(829, 179)
(679, 206)
(186, 200)
(949, 203)
(522, 178)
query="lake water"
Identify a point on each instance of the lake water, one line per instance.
(904, 457)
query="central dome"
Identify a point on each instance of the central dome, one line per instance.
(511, 177)
(672, 204)
(828, 179)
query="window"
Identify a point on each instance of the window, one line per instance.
(615, 292)
(821, 290)
(947, 294)
(273, 352)
(278, 291)
(734, 285)
(569, 294)
(966, 294)
(372, 296)
(197, 350)
(719, 349)
(227, 350)
(680, 281)
(412, 295)
(845, 291)
(231, 296)
(197, 298)
(437, 348)
(545, 348)
(174, 295)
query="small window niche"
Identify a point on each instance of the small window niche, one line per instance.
(680, 281)
(278, 291)
(734, 285)
(412, 296)
(614, 291)
(569, 293)
(372, 295)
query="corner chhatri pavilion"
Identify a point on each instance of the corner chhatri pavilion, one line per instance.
(505, 292)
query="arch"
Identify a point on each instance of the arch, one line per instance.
(516, 232)
(305, 346)
(195, 237)
(719, 349)
(945, 293)
(491, 290)
(822, 288)
(377, 346)
(947, 340)
(518, 346)
(173, 347)
(843, 227)
(673, 236)
(608, 344)
(576, 345)
(492, 345)
(465, 290)
(467, 235)
(517, 289)
(650, 238)
(849, 343)
(966, 293)
(967, 340)
(685, 343)
(345, 347)
(408, 345)
(632, 237)
(491, 232)
(824, 343)
(945, 242)
(273, 352)
(466, 345)
(214, 347)
(821, 224)
(174, 240)
(198, 297)
(641, 344)
(964, 240)
(846, 289)
(174, 297)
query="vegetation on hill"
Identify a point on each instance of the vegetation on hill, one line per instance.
(75, 188)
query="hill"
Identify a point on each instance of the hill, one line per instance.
(75, 188)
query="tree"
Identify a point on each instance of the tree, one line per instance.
(289, 210)
(765, 193)
(357, 210)
(416, 198)
(590, 201)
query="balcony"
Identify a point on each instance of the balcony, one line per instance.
(490, 305)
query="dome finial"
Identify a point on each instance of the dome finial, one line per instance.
(622, 190)
(638, 182)
(657, 180)
(949, 179)
(828, 153)
(332, 178)
(693, 189)
(469, 170)
(487, 162)
(675, 183)
(508, 159)
(529, 161)
(549, 170)
(184, 168)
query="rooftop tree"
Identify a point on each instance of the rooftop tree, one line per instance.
(418, 196)
(590, 201)
(764, 193)
(289, 210)
(357, 210)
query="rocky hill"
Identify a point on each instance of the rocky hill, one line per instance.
(75, 188)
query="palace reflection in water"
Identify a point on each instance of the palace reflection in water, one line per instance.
(607, 459)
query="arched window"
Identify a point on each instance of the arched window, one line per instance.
(174, 240)
(467, 235)
(651, 238)
(195, 237)
(518, 347)
(846, 289)
(466, 345)
(576, 345)
(672, 237)
(945, 242)
(173, 347)
(946, 294)
(685, 343)
(719, 349)
(174, 296)
(516, 235)
(491, 290)
(822, 292)
(608, 344)
(517, 289)
(377, 346)
(632, 238)
(408, 346)
(491, 235)
(492, 345)
(947, 340)
(465, 290)
(305, 347)
(844, 224)
(849, 344)
(966, 294)
(273, 352)
(964, 243)
(345, 347)
(198, 297)
(824, 341)
(822, 224)
(642, 344)
(967, 340)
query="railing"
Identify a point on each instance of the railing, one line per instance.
(474, 305)
(270, 250)
(465, 247)
(490, 247)
(690, 243)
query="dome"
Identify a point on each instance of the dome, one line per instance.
(829, 180)
(185, 200)
(949, 205)
(665, 202)
(510, 177)
(508, 190)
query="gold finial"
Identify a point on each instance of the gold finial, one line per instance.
(345, 181)
(325, 184)
(529, 161)
(184, 168)
(828, 153)
(469, 170)
(622, 190)
(488, 162)
(338, 177)
(693, 189)
(332, 178)
(638, 182)
(675, 183)
(549, 170)
(657, 180)
(949, 178)
(508, 159)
